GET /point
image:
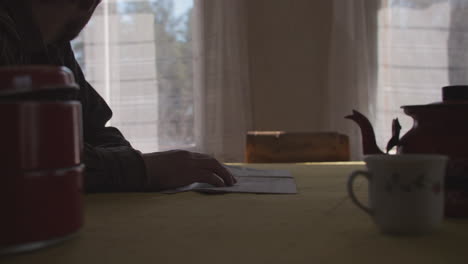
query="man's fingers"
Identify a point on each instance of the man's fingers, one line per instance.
(206, 162)
(216, 167)
(221, 170)
(212, 179)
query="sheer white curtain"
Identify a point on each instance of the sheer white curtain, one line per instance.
(389, 53)
(138, 56)
(222, 100)
(353, 64)
(174, 72)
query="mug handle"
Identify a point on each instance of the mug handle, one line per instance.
(351, 194)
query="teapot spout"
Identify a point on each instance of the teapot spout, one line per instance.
(369, 144)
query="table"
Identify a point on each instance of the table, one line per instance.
(319, 225)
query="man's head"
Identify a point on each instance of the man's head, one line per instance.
(62, 20)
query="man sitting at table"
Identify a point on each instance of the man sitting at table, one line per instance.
(39, 32)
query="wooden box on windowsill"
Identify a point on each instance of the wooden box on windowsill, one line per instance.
(286, 147)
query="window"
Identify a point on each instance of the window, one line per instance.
(422, 47)
(138, 55)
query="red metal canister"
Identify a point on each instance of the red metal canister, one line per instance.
(41, 170)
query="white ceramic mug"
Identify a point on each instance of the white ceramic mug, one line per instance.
(406, 192)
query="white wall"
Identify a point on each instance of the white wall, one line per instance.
(288, 49)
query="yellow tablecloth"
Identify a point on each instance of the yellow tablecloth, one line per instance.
(319, 225)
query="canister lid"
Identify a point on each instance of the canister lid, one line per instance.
(35, 78)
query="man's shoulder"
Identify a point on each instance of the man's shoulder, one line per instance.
(9, 39)
(8, 26)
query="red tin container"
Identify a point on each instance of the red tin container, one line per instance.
(41, 172)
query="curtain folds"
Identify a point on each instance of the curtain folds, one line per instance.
(221, 79)
(352, 67)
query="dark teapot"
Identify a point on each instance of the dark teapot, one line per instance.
(439, 128)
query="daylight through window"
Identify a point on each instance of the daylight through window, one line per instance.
(138, 55)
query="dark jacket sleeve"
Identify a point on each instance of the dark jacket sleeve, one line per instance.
(111, 162)
(112, 165)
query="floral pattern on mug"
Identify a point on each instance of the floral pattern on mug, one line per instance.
(419, 183)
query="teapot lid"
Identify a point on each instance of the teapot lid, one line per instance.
(453, 95)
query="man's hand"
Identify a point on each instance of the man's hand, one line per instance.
(177, 168)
